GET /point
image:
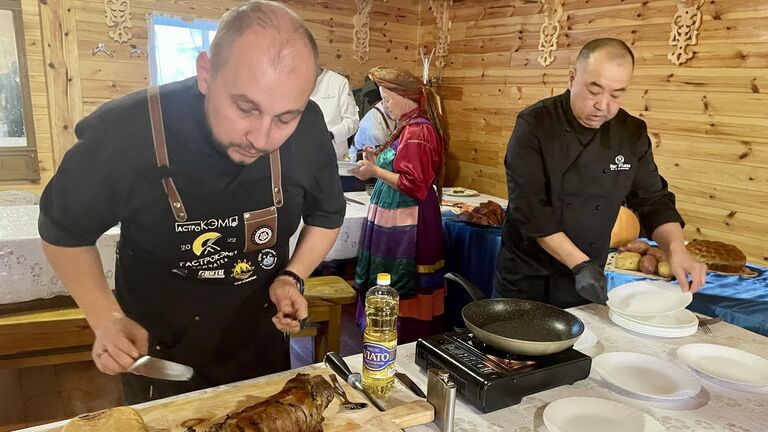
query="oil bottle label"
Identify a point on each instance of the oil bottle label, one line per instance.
(377, 357)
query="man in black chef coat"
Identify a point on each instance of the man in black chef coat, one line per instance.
(571, 162)
(208, 180)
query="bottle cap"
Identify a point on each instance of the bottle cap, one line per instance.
(383, 279)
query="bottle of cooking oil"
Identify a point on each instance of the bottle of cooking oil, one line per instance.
(380, 337)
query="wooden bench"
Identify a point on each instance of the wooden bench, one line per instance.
(62, 335)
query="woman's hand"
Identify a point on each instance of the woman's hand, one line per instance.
(367, 167)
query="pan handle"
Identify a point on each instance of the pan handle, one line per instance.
(473, 291)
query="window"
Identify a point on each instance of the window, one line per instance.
(18, 155)
(174, 46)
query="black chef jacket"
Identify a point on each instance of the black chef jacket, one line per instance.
(564, 177)
(203, 300)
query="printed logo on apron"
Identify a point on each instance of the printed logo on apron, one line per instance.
(267, 259)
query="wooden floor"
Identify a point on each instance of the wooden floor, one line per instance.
(44, 394)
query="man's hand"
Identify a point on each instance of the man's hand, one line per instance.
(291, 305)
(590, 282)
(367, 167)
(684, 265)
(119, 342)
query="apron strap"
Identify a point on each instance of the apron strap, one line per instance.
(276, 171)
(161, 153)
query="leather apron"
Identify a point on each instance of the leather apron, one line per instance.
(207, 307)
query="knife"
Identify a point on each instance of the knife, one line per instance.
(154, 367)
(340, 367)
(408, 382)
(354, 201)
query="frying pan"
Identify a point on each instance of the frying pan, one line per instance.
(518, 326)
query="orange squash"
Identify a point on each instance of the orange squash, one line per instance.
(626, 228)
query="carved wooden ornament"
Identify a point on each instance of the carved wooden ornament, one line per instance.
(118, 14)
(441, 10)
(361, 33)
(685, 31)
(550, 30)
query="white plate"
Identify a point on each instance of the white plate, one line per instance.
(588, 414)
(346, 166)
(672, 332)
(682, 318)
(648, 298)
(726, 363)
(646, 375)
(587, 340)
(467, 192)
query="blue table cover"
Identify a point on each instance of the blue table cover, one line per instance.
(471, 252)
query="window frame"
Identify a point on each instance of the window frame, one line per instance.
(27, 155)
(164, 19)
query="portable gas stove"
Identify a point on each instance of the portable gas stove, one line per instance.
(490, 379)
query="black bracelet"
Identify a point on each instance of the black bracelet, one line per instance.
(296, 278)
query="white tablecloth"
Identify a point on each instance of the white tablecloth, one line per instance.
(716, 408)
(24, 271)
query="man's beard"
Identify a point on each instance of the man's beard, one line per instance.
(222, 147)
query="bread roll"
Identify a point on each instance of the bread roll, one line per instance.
(123, 419)
(628, 261)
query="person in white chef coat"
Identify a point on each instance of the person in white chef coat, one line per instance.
(335, 99)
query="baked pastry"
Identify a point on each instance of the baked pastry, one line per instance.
(298, 407)
(718, 256)
(123, 419)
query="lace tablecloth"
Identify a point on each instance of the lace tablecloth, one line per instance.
(24, 271)
(717, 408)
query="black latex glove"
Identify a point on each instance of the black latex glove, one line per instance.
(591, 282)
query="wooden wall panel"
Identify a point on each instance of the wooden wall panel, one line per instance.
(706, 119)
(80, 82)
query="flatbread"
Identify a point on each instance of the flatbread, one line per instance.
(123, 419)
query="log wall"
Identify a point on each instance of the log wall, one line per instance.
(708, 119)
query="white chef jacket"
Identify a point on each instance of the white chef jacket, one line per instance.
(335, 98)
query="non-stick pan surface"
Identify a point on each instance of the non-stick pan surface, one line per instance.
(519, 326)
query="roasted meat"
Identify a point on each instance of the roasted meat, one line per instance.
(487, 213)
(298, 407)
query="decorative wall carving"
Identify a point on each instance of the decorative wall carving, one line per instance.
(441, 10)
(550, 30)
(361, 34)
(685, 30)
(118, 13)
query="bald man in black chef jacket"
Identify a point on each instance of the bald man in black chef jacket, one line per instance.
(571, 162)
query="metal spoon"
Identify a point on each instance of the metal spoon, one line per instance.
(345, 401)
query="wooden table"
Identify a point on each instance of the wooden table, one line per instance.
(62, 335)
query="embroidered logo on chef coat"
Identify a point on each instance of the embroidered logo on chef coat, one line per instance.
(242, 270)
(620, 165)
(261, 235)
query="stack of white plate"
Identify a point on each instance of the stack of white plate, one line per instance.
(654, 308)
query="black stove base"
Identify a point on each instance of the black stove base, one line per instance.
(487, 384)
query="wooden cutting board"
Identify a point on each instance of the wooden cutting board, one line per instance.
(206, 408)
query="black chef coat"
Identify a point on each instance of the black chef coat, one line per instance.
(564, 177)
(203, 300)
